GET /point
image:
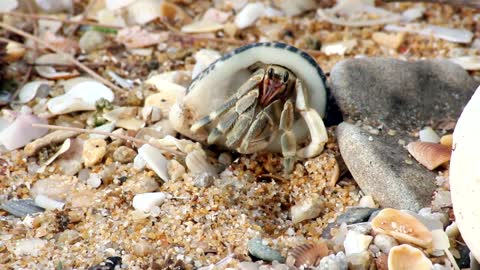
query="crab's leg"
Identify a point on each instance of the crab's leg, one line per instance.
(264, 125)
(249, 85)
(288, 140)
(318, 132)
(241, 126)
(227, 121)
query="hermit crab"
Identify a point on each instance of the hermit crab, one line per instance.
(262, 96)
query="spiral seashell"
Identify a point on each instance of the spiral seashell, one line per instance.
(308, 254)
(430, 155)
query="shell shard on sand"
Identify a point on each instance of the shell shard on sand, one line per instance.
(430, 155)
(406, 257)
(403, 227)
(308, 254)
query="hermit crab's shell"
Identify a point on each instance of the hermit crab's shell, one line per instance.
(214, 85)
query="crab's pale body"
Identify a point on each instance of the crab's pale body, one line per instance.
(243, 73)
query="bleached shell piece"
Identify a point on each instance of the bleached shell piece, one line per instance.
(356, 242)
(309, 208)
(173, 14)
(467, 62)
(144, 11)
(203, 59)
(29, 90)
(121, 113)
(64, 148)
(15, 51)
(147, 201)
(249, 14)
(427, 134)
(340, 48)
(130, 124)
(177, 77)
(430, 155)
(20, 132)
(403, 227)
(357, 13)
(292, 8)
(155, 160)
(440, 240)
(29, 247)
(203, 26)
(197, 163)
(406, 257)
(8, 5)
(108, 127)
(50, 72)
(166, 97)
(48, 203)
(308, 254)
(450, 34)
(70, 83)
(465, 174)
(81, 97)
(117, 4)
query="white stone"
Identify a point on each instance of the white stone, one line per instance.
(148, 201)
(356, 242)
(155, 160)
(427, 134)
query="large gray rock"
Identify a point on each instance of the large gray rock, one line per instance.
(399, 94)
(379, 166)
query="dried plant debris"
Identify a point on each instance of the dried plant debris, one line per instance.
(111, 184)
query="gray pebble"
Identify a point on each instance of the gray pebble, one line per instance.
(385, 242)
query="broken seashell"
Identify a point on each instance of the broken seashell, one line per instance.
(173, 14)
(50, 72)
(144, 11)
(406, 257)
(308, 254)
(357, 13)
(430, 155)
(81, 97)
(21, 208)
(147, 201)
(427, 134)
(155, 160)
(467, 62)
(197, 162)
(340, 48)
(117, 4)
(215, 15)
(64, 148)
(178, 77)
(20, 132)
(292, 8)
(136, 37)
(445, 33)
(30, 89)
(356, 242)
(203, 59)
(249, 14)
(8, 5)
(48, 203)
(447, 140)
(14, 52)
(202, 26)
(402, 226)
(165, 99)
(307, 209)
(392, 41)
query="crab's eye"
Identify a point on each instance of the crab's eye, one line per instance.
(270, 73)
(285, 76)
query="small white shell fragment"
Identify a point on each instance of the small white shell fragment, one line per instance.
(50, 72)
(452, 230)
(124, 83)
(467, 62)
(249, 14)
(292, 8)
(178, 77)
(20, 132)
(203, 59)
(427, 134)
(197, 163)
(155, 160)
(440, 240)
(8, 5)
(70, 83)
(14, 52)
(450, 34)
(356, 242)
(81, 97)
(413, 13)
(139, 163)
(117, 4)
(357, 13)
(309, 208)
(29, 247)
(405, 257)
(29, 90)
(144, 11)
(464, 174)
(64, 148)
(108, 127)
(367, 201)
(203, 26)
(48, 203)
(94, 180)
(340, 48)
(166, 97)
(147, 201)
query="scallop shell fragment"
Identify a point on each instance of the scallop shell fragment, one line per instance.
(406, 257)
(403, 227)
(49, 72)
(81, 97)
(30, 90)
(430, 155)
(308, 254)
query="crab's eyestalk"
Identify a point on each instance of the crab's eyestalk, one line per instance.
(275, 84)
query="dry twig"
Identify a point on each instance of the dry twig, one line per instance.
(69, 57)
(123, 137)
(460, 3)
